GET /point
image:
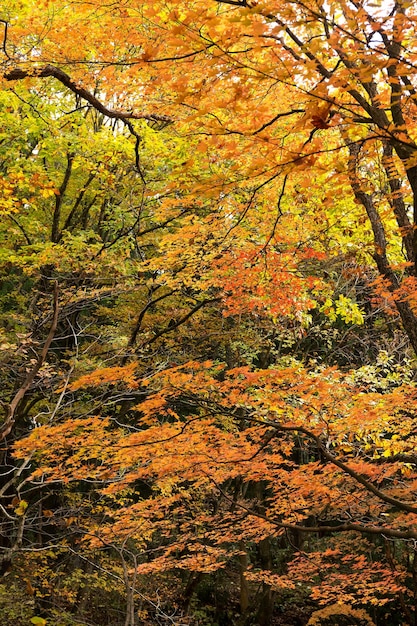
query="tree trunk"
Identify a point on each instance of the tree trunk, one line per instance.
(266, 604)
(244, 587)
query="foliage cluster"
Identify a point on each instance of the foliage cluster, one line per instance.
(208, 313)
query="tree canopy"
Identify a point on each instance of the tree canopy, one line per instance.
(208, 260)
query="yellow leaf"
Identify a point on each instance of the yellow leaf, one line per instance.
(21, 509)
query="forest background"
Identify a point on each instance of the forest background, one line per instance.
(208, 321)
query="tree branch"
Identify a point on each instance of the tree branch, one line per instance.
(50, 70)
(399, 504)
(4, 43)
(181, 321)
(10, 416)
(360, 528)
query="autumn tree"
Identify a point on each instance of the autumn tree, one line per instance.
(281, 85)
(195, 194)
